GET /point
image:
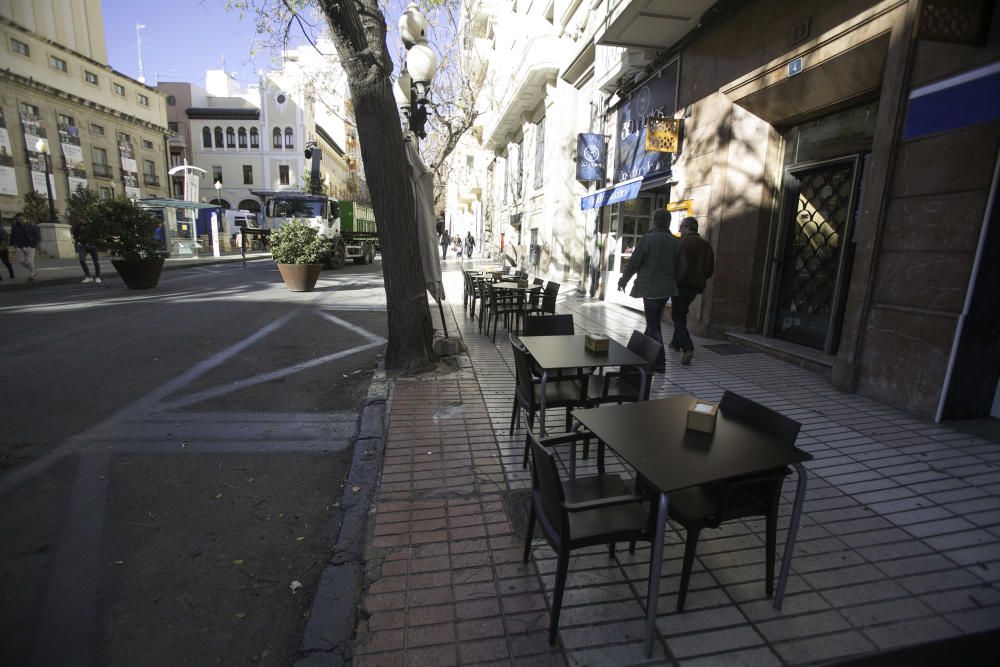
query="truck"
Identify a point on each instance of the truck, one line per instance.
(349, 227)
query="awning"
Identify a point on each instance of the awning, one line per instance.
(172, 203)
(623, 191)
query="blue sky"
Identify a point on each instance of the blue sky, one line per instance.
(181, 40)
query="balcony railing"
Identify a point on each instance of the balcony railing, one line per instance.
(102, 170)
(151, 179)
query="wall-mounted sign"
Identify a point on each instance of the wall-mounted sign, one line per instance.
(591, 157)
(655, 98)
(664, 135)
(795, 67)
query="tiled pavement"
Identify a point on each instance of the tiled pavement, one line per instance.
(899, 543)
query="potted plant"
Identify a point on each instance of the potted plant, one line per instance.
(298, 251)
(127, 231)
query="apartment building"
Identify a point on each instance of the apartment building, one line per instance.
(105, 131)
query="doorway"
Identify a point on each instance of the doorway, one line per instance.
(628, 221)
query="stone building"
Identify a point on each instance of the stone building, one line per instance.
(105, 131)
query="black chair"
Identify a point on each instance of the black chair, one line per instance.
(549, 325)
(548, 304)
(623, 386)
(507, 304)
(581, 512)
(710, 505)
(561, 392)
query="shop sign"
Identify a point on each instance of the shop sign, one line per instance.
(655, 98)
(591, 154)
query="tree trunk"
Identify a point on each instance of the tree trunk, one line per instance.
(359, 32)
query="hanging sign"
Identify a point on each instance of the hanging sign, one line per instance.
(76, 168)
(591, 155)
(33, 131)
(664, 135)
(130, 171)
(655, 98)
(8, 178)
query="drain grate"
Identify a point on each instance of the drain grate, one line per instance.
(727, 349)
(517, 504)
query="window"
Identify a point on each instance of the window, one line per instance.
(17, 46)
(100, 155)
(171, 100)
(106, 192)
(216, 175)
(247, 174)
(289, 141)
(281, 98)
(118, 89)
(143, 100)
(55, 62)
(97, 129)
(149, 176)
(90, 77)
(147, 144)
(173, 126)
(63, 119)
(283, 174)
(218, 137)
(206, 138)
(243, 137)
(277, 137)
(124, 137)
(101, 168)
(539, 154)
(519, 183)
(29, 109)
(148, 167)
(254, 138)
(175, 159)
(230, 138)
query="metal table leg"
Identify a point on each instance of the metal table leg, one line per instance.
(793, 529)
(655, 566)
(541, 403)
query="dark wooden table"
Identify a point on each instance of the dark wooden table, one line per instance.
(652, 437)
(555, 353)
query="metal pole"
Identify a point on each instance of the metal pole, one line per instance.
(48, 188)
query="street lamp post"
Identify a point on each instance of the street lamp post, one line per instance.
(215, 227)
(413, 86)
(42, 146)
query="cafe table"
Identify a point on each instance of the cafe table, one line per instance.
(557, 353)
(653, 438)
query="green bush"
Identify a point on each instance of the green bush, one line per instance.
(296, 242)
(82, 209)
(36, 207)
(125, 229)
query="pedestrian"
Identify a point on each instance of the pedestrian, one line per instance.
(25, 237)
(5, 248)
(700, 267)
(659, 261)
(595, 265)
(444, 238)
(470, 244)
(81, 235)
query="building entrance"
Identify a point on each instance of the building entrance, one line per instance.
(628, 222)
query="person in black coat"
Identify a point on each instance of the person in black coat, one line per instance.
(25, 238)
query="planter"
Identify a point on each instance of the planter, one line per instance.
(300, 277)
(139, 273)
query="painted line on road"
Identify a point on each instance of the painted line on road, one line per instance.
(369, 335)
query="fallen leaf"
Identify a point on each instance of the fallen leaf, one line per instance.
(295, 585)
(238, 561)
(218, 495)
(299, 539)
(355, 489)
(241, 614)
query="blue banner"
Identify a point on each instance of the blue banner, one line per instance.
(655, 98)
(591, 156)
(613, 195)
(971, 98)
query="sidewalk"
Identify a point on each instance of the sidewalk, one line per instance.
(67, 270)
(899, 543)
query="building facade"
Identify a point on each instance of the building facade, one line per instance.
(105, 131)
(840, 158)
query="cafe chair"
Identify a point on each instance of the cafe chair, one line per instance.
(548, 305)
(710, 505)
(623, 385)
(580, 512)
(560, 392)
(549, 325)
(507, 305)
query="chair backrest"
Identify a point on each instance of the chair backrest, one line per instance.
(739, 407)
(648, 349)
(549, 297)
(537, 281)
(548, 489)
(522, 372)
(549, 325)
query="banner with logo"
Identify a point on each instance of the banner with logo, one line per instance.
(8, 178)
(76, 168)
(591, 156)
(33, 131)
(655, 98)
(130, 170)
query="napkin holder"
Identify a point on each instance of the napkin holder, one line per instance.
(522, 283)
(596, 342)
(701, 416)
(496, 275)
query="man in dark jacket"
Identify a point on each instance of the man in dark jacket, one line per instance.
(25, 237)
(700, 267)
(659, 261)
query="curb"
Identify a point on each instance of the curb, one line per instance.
(327, 640)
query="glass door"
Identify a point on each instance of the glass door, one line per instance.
(629, 221)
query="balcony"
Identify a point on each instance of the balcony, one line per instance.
(102, 170)
(151, 179)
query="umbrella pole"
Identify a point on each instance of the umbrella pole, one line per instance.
(444, 325)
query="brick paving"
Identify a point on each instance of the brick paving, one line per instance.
(899, 542)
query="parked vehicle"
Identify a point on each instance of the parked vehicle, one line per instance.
(348, 227)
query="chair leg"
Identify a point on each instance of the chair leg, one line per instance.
(611, 550)
(569, 418)
(527, 440)
(771, 539)
(600, 456)
(557, 595)
(530, 532)
(631, 546)
(689, 549)
(513, 416)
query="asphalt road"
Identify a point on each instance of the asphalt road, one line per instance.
(171, 461)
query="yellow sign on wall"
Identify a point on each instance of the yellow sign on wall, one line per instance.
(664, 135)
(686, 205)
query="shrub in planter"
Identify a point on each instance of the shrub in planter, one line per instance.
(128, 231)
(298, 250)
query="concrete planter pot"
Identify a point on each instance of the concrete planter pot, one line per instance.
(139, 273)
(300, 277)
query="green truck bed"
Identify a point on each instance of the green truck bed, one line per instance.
(357, 220)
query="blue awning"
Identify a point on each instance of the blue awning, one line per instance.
(623, 191)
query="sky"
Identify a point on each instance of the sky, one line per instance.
(182, 39)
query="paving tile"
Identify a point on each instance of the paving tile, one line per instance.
(903, 632)
(797, 627)
(716, 641)
(827, 647)
(754, 657)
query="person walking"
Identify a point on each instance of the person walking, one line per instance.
(5, 248)
(470, 244)
(659, 261)
(25, 237)
(700, 267)
(444, 239)
(80, 229)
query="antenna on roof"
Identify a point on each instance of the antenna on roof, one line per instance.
(138, 41)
